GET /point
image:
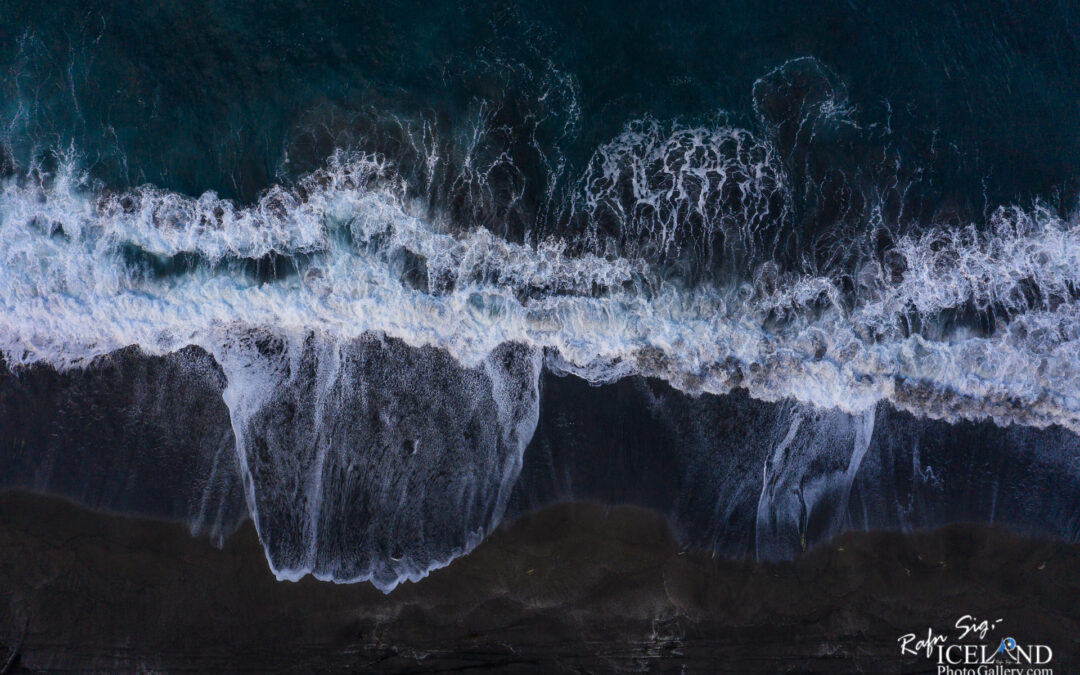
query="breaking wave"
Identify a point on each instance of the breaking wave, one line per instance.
(382, 354)
(341, 255)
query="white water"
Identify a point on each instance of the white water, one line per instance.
(67, 296)
(340, 496)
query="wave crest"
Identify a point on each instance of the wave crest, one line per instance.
(964, 323)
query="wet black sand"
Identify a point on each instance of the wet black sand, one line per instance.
(572, 588)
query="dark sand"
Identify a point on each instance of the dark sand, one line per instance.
(573, 588)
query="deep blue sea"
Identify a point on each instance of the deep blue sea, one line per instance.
(381, 275)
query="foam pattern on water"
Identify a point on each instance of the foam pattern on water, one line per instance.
(382, 363)
(370, 460)
(86, 272)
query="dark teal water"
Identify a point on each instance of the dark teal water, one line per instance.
(980, 98)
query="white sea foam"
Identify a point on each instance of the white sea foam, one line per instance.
(685, 189)
(69, 294)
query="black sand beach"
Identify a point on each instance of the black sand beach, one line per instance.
(572, 588)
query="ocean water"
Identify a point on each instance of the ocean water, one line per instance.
(380, 275)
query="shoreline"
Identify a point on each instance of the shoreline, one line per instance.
(574, 585)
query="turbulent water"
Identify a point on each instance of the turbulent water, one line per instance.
(340, 276)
